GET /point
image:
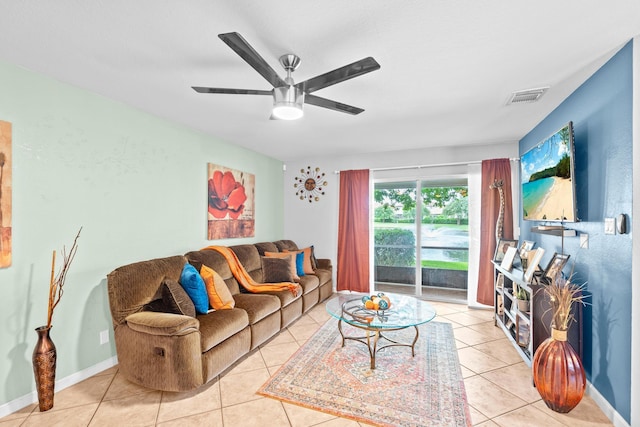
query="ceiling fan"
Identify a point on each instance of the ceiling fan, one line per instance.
(288, 98)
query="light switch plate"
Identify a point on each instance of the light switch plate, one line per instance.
(609, 226)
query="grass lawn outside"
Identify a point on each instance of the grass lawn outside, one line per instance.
(449, 265)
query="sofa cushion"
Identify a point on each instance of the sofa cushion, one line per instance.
(165, 324)
(217, 262)
(192, 282)
(276, 270)
(171, 298)
(220, 297)
(299, 263)
(307, 253)
(323, 275)
(263, 247)
(308, 283)
(257, 306)
(285, 297)
(314, 260)
(283, 245)
(292, 260)
(176, 299)
(217, 326)
(134, 285)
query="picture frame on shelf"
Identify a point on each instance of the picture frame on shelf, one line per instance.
(554, 267)
(500, 281)
(534, 259)
(523, 335)
(525, 247)
(501, 248)
(507, 260)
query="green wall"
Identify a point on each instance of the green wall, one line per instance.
(137, 186)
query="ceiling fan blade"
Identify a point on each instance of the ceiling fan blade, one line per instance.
(232, 91)
(331, 105)
(338, 75)
(253, 58)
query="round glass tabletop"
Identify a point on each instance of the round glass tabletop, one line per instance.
(405, 311)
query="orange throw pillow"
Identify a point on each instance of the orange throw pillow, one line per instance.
(292, 258)
(307, 266)
(220, 297)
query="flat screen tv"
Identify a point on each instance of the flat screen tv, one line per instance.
(547, 178)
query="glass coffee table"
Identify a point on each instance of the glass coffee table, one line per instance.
(405, 312)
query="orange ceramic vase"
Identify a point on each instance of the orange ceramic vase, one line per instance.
(558, 373)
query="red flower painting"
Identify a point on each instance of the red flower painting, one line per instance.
(230, 203)
(226, 195)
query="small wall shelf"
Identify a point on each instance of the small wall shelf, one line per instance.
(554, 230)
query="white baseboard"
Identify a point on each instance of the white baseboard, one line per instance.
(615, 418)
(28, 399)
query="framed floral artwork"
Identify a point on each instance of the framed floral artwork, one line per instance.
(5, 194)
(230, 203)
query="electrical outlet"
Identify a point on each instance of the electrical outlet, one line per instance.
(584, 240)
(609, 226)
(104, 337)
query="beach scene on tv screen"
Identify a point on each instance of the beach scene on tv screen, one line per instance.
(547, 190)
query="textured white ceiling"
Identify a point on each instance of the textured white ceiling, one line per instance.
(447, 67)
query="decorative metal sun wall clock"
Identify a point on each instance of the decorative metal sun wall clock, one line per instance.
(310, 184)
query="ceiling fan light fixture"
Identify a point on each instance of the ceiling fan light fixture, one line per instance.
(287, 103)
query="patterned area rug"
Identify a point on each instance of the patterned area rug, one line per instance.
(425, 390)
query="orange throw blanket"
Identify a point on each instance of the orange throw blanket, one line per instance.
(245, 280)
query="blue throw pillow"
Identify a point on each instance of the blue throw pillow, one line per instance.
(193, 284)
(300, 263)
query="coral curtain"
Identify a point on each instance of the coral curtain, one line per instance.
(497, 169)
(353, 232)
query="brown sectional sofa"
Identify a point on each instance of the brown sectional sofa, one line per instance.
(175, 352)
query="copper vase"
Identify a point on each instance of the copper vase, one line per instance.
(44, 368)
(558, 373)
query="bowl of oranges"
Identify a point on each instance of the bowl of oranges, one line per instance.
(378, 302)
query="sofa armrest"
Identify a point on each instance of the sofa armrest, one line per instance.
(324, 263)
(163, 324)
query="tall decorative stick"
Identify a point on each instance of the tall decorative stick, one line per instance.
(57, 283)
(497, 184)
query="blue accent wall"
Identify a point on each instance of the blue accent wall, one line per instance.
(601, 111)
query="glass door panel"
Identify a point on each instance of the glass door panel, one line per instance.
(444, 243)
(395, 231)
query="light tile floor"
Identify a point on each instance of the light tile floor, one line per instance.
(497, 381)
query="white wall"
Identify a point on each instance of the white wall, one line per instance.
(316, 223)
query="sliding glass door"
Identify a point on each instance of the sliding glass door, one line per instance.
(421, 237)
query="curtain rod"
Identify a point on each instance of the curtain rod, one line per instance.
(437, 165)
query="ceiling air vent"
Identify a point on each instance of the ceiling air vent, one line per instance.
(527, 96)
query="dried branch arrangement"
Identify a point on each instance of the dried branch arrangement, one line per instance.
(56, 283)
(563, 293)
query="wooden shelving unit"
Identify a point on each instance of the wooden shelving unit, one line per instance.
(517, 325)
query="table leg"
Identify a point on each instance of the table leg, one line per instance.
(413, 344)
(373, 351)
(340, 330)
